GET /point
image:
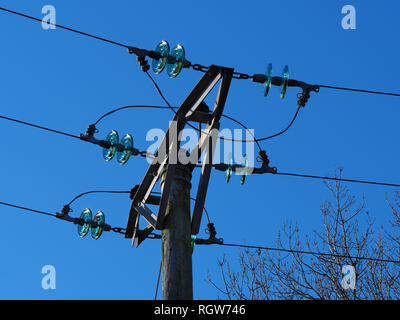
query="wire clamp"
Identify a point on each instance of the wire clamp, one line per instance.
(211, 239)
(305, 95)
(143, 63)
(263, 157)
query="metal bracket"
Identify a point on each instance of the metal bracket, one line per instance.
(212, 239)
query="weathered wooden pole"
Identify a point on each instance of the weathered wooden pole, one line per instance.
(177, 279)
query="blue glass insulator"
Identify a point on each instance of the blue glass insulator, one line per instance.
(86, 216)
(127, 142)
(163, 49)
(228, 172)
(100, 220)
(173, 69)
(193, 241)
(244, 171)
(113, 138)
(268, 82)
(285, 81)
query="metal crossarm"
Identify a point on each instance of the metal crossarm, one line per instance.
(168, 149)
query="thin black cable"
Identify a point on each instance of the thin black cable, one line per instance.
(308, 252)
(169, 106)
(337, 179)
(95, 191)
(40, 127)
(127, 107)
(158, 280)
(143, 153)
(65, 28)
(115, 229)
(247, 129)
(229, 139)
(180, 117)
(197, 129)
(27, 209)
(283, 131)
(361, 90)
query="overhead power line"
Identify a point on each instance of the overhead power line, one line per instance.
(27, 209)
(361, 90)
(308, 252)
(337, 179)
(64, 216)
(236, 245)
(66, 209)
(277, 173)
(40, 127)
(65, 28)
(196, 67)
(157, 107)
(244, 170)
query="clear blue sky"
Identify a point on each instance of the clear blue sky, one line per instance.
(65, 81)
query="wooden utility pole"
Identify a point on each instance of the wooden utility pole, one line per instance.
(177, 281)
(174, 216)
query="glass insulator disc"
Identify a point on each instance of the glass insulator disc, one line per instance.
(228, 172)
(127, 142)
(86, 215)
(285, 81)
(244, 171)
(100, 220)
(268, 82)
(173, 69)
(163, 49)
(109, 153)
(193, 241)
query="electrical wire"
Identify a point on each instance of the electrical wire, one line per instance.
(260, 171)
(230, 118)
(169, 106)
(361, 90)
(247, 129)
(235, 245)
(115, 229)
(158, 280)
(199, 130)
(27, 209)
(95, 191)
(40, 127)
(196, 67)
(255, 140)
(277, 173)
(336, 179)
(65, 28)
(283, 131)
(127, 107)
(308, 252)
